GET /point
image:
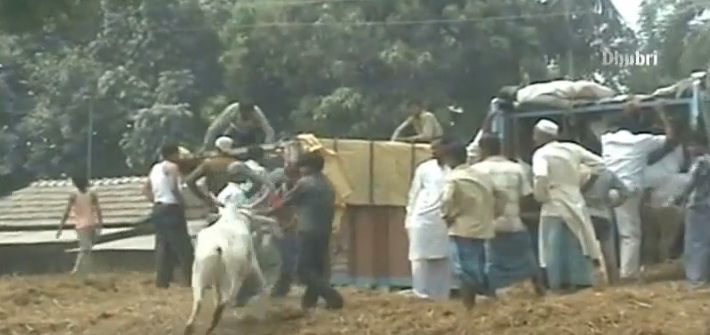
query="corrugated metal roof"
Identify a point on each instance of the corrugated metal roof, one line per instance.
(138, 243)
(47, 236)
(43, 203)
(142, 243)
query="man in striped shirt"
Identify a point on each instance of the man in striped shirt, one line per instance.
(511, 255)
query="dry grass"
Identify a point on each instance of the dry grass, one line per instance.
(128, 304)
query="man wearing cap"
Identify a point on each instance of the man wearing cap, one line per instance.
(244, 122)
(425, 125)
(214, 170)
(627, 153)
(568, 244)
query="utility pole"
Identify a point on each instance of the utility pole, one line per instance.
(90, 139)
(704, 102)
(570, 42)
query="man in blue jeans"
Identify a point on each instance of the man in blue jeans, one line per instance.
(696, 197)
(283, 179)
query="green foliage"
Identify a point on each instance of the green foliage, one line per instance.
(155, 71)
(678, 30)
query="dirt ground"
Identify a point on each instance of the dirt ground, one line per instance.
(128, 304)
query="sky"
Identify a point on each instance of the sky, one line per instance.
(629, 9)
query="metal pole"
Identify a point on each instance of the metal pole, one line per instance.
(89, 139)
(570, 53)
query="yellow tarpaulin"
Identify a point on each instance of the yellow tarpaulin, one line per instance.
(370, 172)
(334, 170)
(365, 173)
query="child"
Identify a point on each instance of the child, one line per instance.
(84, 207)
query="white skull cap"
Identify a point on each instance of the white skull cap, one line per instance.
(224, 143)
(547, 126)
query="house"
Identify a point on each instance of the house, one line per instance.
(29, 219)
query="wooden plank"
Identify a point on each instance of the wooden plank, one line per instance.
(397, 246)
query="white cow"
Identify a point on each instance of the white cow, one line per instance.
(225, 255)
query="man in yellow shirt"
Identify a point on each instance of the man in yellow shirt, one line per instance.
(424, 123)
(469, 206)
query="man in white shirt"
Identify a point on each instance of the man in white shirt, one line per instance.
(492, 119)
(568, 245)
(240, 173)
(172, 241)
(626, 154)
(426, 229)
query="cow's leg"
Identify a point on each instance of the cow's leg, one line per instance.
(260, 305)
(221, 299)
(197, 294)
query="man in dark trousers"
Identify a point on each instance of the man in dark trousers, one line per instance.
(172, 241)
(285, 179)
(313, 199)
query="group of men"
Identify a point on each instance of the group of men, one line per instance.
(297, 191)
(461, 214)
(468, 215)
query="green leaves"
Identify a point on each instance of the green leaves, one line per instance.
(679, 32)
(152, 128)
(154, 71)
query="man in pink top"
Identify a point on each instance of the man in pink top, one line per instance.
(84, 208)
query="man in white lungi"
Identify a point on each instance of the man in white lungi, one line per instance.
(426, 229)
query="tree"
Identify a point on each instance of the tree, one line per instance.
(678, 32)
(141, 144)
(349, 75)
(154, 71)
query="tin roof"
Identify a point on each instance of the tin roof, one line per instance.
(141, 243)
(42, 203)
(137, 243)
(46, 236)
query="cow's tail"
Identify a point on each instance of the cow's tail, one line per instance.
(212, 265)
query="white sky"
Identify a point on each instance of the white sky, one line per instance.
(629, 9)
